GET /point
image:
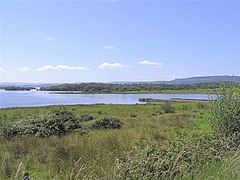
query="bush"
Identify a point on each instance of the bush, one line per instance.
(86, 117)
(152, 163)
(185, 107)
(99, 112)
(171, 161)
(58, 121)
(108, 123)
(133, 115)
(226, 115)
(168, 108)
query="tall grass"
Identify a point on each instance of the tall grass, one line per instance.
(177, 141)
(91, 154)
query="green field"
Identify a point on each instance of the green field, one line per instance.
(95, 153)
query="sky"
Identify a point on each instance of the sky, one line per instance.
(59, 41)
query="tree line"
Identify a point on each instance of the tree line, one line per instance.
(16, 88)
(111, 88)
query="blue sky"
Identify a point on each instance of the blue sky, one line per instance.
(116, 40)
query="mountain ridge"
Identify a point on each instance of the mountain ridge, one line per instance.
(189, 80)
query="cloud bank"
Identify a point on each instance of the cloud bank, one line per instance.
(61, 67)
(107, 65)
(152, 63)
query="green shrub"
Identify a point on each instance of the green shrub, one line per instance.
(200, 105)
(86, 117)
(226, 115)
(157, 112)
(174, 160)
(108, 123)
(154, 114)
(133, 115)
(168, 108)
(58, 121)
(99, 112)
(185, 107)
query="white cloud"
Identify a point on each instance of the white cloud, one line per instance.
(46, 68)
(152, 63)
(23, 69)
(52, 39)
(2, 70)
(107, 65)
(61, 67)
(109, 47)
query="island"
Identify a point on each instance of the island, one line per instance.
(16, 88)
(133, 88)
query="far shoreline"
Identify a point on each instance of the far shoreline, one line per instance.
(191, 91)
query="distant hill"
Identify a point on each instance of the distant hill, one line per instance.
(190, 80)
(206, 79)
(20, 84)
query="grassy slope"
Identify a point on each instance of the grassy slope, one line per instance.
(94, 154)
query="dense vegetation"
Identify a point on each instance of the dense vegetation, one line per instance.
(108, 123)
(16, 88)
(57, 121)
(148, 141)
(181, 159)
(117, 88)
(226, 116)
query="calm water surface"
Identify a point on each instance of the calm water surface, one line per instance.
(43, 98)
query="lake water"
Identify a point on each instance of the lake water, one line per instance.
(43, 98)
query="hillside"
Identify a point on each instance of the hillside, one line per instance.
(206, 79)
(190, 80)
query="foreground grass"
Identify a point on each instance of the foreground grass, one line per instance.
(91, 154)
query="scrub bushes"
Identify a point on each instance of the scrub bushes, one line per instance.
(226, 116)
(108, 123)
(168, 108)
(54, 122)
(86, 117)
(177, 160)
